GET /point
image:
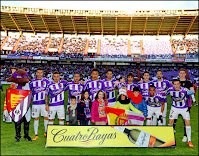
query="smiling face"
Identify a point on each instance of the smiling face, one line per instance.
(73, 101)
(94, 75)
(86, 95)
(123, 97)
(152, 91)
(100, 95)
(136, 93)
(109, 75)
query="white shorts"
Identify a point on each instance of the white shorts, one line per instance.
(56, 109)
(153, 110)
(111, 104)
(174, 112)
(37, 109)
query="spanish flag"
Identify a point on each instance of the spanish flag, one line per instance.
(124, 117)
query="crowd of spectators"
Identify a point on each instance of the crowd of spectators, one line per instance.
(11, 41)
(114, 46)
(185, 45)
(93, 45)
(55, 42)
(74, 45)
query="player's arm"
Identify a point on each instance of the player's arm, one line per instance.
(46, 98)
(189, 92)
(162, 107)
(67, 115)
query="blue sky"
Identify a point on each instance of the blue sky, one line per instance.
(106, 5)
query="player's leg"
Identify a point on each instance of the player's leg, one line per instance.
(35, 115)
(44, 113)
(149, 116)
(173, 115)
(186, 117)
(154, 120)
(61, 114)
(164, 114)
(51, 114)
(158, 113)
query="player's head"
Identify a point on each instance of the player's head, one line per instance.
(182, 73)
(159, 74)
(73, 100)
(56, 76)
(109, 73)
(176, 84)
(146, 75)
(85, 95)
(122, 79)
(136, 91)
(39, 73)
(100, 95)
(76, 77)
(95, 74)
(130, 77)
(152, 90)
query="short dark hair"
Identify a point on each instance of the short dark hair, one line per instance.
(96, 97)
(152, 86)
(121, 77)
(130, 74)
(40, 68)
(182, 69)
(136, 89)
(76, 73)
(55, 72)
(174, 80)
(73, 97)
(109, 70)
(95, 69)
(146, 72)
(159, 70)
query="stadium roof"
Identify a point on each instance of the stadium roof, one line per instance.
(100, 22)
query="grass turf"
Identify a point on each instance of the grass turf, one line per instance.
(10, 147)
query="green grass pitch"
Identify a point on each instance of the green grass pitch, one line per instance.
(10, 147)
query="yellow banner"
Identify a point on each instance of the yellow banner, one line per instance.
(110, 136)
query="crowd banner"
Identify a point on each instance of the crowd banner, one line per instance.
(110, 136)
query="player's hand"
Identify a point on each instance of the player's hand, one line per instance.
(78, 122)
(144, 118)
(189, 109)
(93, 121)
(47, 108)
(82, 82)
(67, 123)
(106, 100)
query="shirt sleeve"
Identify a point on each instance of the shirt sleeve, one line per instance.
(31, 85)
(144, 108)
(47, 90)
(85, 86)
(103, 87)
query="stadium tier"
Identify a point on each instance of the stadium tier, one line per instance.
(103, 46)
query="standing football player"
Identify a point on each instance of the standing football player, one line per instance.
(179, 106)
(129, 84)
(75, 88)
(38, 87)
(189, 85)
(56, 105)
(155, 105)
(109, 84)
(162, 86)
(94, 85)
(145, 83)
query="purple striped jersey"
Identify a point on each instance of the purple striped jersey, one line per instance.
(154, 101)
(93, 87)
(56, 91)
(144, 86)
(179, 98)
(74, 90)
(121, 85)
(110, 89)
(38, 88)
(161, 86)
(130, 86)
